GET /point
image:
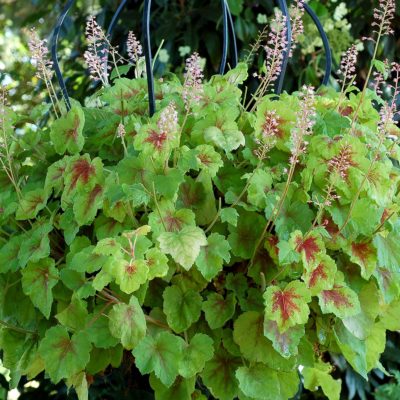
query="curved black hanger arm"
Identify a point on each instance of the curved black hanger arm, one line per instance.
(54, 43)
(325, 41)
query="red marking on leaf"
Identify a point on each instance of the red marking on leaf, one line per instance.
(130, 269)
(317, 274)
(273, 241)
(96, 191)
(33, 203)
(345, 111)
(66, 346)
(386, 276)
(362, 251)
(309, 246)
(337, 298)
(81, 170)
(59, 174)
(73, 133)
(156, 139)
(284, 301)
(121, 113)
(129, 94)
(205, 159)
(331, 227)
(173, 224)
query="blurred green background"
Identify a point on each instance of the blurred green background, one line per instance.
(186, 26)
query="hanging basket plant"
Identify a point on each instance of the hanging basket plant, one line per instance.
(228, 246)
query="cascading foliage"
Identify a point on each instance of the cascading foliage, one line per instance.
(225, 246)
(219, 248)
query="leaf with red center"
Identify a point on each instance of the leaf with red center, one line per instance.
(31, 203)
(127, 323)
(286, 344)
(64, 356)
(154, 143)
(340, 300)
(320, 274)
(38, 280)
(364, 255)
(87, 203)
(66, 132)
(82, 173)
(157, 262)
(288, 306)
(129, 275)
(308, 246)
(173, 220)
(156, 139)
(55, 175)
(209, 159)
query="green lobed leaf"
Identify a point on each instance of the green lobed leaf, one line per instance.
(182, 307)
(127, 323)
(288, 307)
(38, 280)
(196, 354)
(66, 132)
(64, 356)
(161, 354)
(218, 310)
(184, 246)
(211, 258)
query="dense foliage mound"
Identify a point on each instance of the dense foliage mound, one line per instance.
(215, 247)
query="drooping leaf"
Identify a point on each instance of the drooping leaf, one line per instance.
(388, 247)
(74, 315)
(157, 262)
(36, 246)
(320, 274)
(288, 306)
(309, 247)
(258, 382)
(87, 203)
(182, 307)
(64, 356)
(181, 389)
(196, 354)
(184, 246)
(30, 205)
(320, 377)
(243, 238)
(219, 375)
(38, 280)
(219, 310)
(9, 261)
(66, 132)
(340, 300)
(161, 354)
(211, 258)
(285, 343)
(127, 323)
(229, 215)
(363, 254)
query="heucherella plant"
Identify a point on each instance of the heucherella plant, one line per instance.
(224, 250)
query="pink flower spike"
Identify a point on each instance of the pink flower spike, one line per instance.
(192, 87)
